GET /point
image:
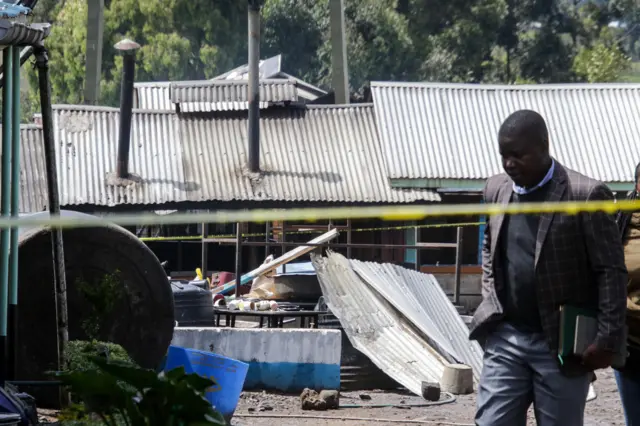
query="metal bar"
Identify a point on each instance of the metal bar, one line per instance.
(416, 237)
(12, 331)
(25, 54)
(340, 245)
(348, 238)
(59, 277)
(283, 244)
(205, 250)
(238, 257)
(5, 209)
(254, 86)
(456, 288)
(267, 235)
(321, 228)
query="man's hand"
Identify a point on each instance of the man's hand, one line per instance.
(596, 358)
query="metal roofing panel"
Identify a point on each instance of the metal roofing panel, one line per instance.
(423, 301)
(449, 131)
(374, 328)
(210, 95)
(317, 154)
(87, 140)
(307, 154)
(33, 176)
(220, 91)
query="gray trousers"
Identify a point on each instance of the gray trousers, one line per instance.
(519, 369)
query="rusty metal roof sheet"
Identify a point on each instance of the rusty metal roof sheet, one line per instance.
(322, 154)
(448, 131)
(376, 329)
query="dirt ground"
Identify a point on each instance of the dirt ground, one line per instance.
(260, 408)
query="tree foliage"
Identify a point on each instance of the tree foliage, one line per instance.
(497, 41)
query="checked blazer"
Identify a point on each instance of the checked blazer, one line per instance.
(579, 260)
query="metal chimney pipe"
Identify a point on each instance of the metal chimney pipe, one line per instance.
(254, 86)
(128, 49)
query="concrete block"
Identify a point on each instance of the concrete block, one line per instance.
(457, 379)
(287, 360)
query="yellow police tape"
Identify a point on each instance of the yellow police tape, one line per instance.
(396, 213)
(311, 231)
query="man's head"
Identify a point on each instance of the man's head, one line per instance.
(637, 176)
(523, 140)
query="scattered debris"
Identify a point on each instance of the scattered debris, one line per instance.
(365, 397)
(430, 391)
(400, 319)
(325, 400)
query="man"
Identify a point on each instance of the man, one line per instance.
(534, 264)
(628, 378)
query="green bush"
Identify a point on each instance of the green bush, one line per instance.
(79, 352)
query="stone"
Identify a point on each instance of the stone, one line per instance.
(326, 399)
(365, 397)
(457, 379)
(431, 391)
(331, 397)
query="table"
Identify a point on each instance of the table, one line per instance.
(275, 319)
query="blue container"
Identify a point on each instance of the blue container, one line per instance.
(228, 374)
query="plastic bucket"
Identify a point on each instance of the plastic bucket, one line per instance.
(229, 375)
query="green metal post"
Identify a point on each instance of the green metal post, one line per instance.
(12, 341)
(5, 204)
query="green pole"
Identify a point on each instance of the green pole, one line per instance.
(5, 202)
(12, 318)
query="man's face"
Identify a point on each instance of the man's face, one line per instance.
(522, 160)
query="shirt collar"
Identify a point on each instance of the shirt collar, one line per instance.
(522, 191)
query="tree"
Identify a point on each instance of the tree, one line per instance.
(602, 62)
(178, 41)
(378, 41)
(456, 38)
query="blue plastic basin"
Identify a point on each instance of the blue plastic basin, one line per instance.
(229, 375)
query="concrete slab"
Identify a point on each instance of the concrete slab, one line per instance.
(287, 360)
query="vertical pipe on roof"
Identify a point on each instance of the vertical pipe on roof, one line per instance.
(254, 86)
(128, 49)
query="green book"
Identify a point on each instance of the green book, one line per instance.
(568, 318)
(578, 329)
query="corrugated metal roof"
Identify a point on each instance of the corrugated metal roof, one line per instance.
(153, 96)
(380, 332)
(449, 131)
(421, 299)
(307, 154)
(87, 143)
(312, 154)
(33, 176)
(211, 95)
(217, 91)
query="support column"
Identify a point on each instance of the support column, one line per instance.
(5, 206)
(15, 211)
(57, 249)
